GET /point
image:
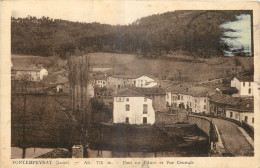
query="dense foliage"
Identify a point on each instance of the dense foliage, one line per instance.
(197, 32)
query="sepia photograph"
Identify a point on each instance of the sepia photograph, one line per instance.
(136, 83)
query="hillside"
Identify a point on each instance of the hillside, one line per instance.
(196, 32)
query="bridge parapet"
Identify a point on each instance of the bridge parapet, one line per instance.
(207, 127)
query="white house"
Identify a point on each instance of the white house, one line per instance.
(121, 81)
(145, 81)
(245, 85)
(132, 107)
(100, 82)
(29, 73)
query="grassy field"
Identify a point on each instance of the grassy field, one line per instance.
(168, 67)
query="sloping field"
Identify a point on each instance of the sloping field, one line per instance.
(171, 68)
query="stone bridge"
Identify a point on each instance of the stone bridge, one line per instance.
(207, 126)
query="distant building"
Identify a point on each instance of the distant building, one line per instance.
(28, 73)
(244, 85)
(100, 82)
(132, 107)
(122, 81)
(145, 81)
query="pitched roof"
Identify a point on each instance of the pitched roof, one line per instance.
(245, 78)
(241, 104)
(149, 91)
(196, 91)
(223, 99)
(125, 92)
(129, 76)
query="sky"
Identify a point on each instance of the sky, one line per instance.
(242, 29)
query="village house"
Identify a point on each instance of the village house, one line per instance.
(244, 85)
(157, 95)
(193, 99)
(100, 81)
(243, 111)
(121, 81)
(132, 107)
(35, 74)
(219, 103)
(145, 81)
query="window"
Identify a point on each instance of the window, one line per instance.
(236, 116)
(246, 118)
(127, 107)
(249, 83)
(205, 101)
(231, 114)
(190, 103)
(127, 120)
(205, 107)
(179, 97)
(249, 91)
(145, 109)
(253, 120)
(144, 120)
(244, 83)
(127, 99)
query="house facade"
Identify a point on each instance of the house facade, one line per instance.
(100, 83)
(243, 111)
(145, 81)
(189, 99)
(132, 107)
(243, 85)
(122, 81)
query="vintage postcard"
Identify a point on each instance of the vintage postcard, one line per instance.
(129, 84)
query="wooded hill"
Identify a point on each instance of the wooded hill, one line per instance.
(195, 32)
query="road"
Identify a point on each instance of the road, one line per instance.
(232, 138)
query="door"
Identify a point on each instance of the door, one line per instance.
(144, 120)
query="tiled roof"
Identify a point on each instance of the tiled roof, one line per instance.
(234, 103)
(149, 91)
(196, 91)
(128, 93)
(243, 105)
